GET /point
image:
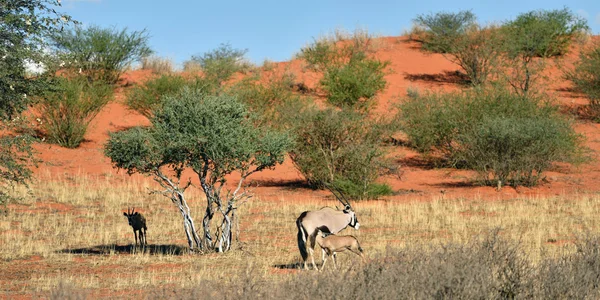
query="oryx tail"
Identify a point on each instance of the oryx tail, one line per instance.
(302, 237)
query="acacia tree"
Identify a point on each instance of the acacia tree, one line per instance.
(212, 135)
(23, 28)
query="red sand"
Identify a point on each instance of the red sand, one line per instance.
(410, 68)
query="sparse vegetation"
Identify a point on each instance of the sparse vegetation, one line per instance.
(504, 136)
(67, 110)
(403, 241)
(65, 237)
(157, 65)
(102, 54)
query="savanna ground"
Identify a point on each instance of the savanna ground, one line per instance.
(68, 235)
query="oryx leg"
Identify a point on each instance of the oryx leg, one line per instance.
(311, 249)
(333, 256)
(324, 261)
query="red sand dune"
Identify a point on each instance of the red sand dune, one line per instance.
(411, 68)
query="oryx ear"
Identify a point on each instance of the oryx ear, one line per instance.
(125, 214)
(347, 207)
(136, 213)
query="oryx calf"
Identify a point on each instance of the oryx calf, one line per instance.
(138, 223)
(331, 244)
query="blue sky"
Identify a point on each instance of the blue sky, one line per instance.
(277, 29)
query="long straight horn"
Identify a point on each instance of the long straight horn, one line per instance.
(343, 196)
(336, 196)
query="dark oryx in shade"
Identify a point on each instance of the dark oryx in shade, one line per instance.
(334, 220)
(138, 223)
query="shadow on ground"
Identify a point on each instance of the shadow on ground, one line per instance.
(291, 266)
(453, 77)
(129, 249)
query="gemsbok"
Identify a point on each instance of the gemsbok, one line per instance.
(334, 220)
(138, 223)
(331, 244)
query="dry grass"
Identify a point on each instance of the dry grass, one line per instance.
(71, 232)
(158, 65)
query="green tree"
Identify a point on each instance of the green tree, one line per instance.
(100, 53)
(24, 26)
(586, 77)
(536, 34)
(440, 30)
(212, 135)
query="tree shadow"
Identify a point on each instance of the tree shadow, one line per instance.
(452, 77)
(129, 249)
(284, 183)
(425, 163)
(290, 266)
(460, 184)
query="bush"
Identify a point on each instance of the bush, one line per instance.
(356, 83)
(586, 77)
(101, 53)
(438, 32)
(340, 148)
(270, 98)
(504, 136)
(68, 110)
(516, 150)
(543, 33)
(350, 77)
(148, 97)
(220, 64)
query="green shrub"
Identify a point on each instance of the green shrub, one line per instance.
(355, 83)
(148, 97)
(339, 147)
(350, 77)
(543, 33)
(70, 107)
(586, 77)
(504, 136)
(220, 64)
(101, 53)
(438, 32)
(336, 49)
(516, 150)
(269, 98)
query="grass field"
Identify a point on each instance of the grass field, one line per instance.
(69, 235)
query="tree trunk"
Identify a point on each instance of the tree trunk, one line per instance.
(188, 223)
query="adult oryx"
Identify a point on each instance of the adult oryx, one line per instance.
(326, 218)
